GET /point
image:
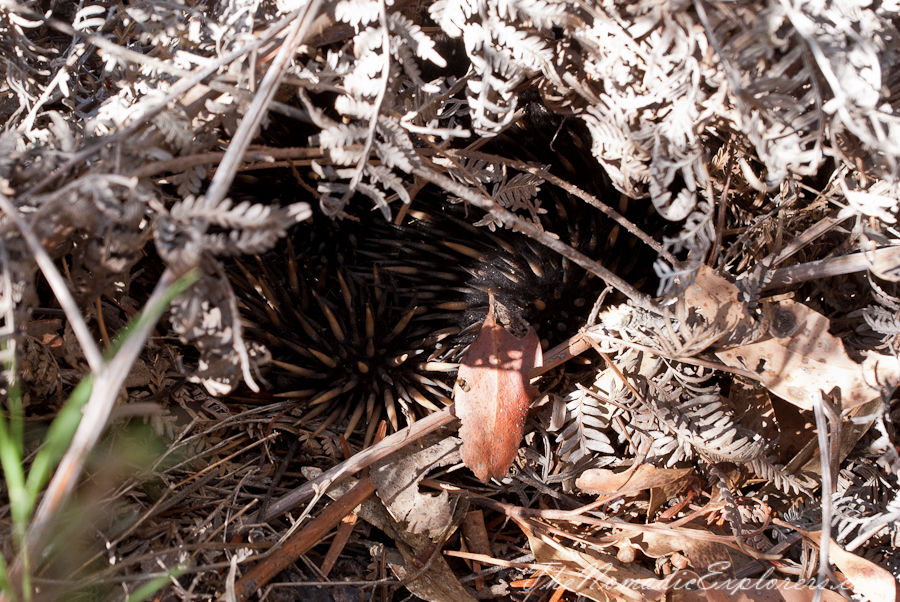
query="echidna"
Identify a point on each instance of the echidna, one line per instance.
(365, 317)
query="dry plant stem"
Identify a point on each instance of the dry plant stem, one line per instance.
(98, 41)
(250, 125)
(227, 522)
(349, 583)
(694, 361)
(573, 190)
(379, 101)
(162, 504)
(575, 516)
(813, 232)
(253, 154)
(279, 474)
(573, 347)
(230, 457)
(485, 559)
(825, 458)
(83, 155)
(873, 528)
(518, 224)
(303, 540)
(107, 383)
(722, 207)
(182, 86)
(58, 285)
(345, 530)
(389, 445)
(486, 572)
(238, 340)
(882, 260)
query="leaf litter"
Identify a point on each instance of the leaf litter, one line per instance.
(673, 434)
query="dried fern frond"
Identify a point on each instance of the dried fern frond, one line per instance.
(586, 419)
(182, 237)
(679, 415)
(775, 474)
(206, 317)
(505, 44)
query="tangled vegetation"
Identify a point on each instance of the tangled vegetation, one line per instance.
(246, 245)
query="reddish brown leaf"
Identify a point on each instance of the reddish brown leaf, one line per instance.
(493, 392)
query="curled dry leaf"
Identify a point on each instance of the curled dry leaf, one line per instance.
(437, 583)
(866, 577)
(802, 357)
(493, 392)
(603, 481)
(601, 577)
(712, 558)
(593, 574)
(718, 301)
(397, 477)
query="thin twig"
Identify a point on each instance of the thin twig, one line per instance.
(573, 190)
(174, 92)
(107, 383)
(389, 445)
(883, 262)
(825, 459)
(379, 101)
(249, 127)
(303, 540)
(509, 218)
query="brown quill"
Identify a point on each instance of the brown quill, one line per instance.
(493, 392)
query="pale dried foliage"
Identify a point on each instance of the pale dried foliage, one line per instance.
(742, 123)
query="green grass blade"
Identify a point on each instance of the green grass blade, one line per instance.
(11, 452)
(58, 438)
(4, 582)
(152, 313)
(66, 422)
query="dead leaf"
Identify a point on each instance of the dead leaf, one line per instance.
(593, 574)
(438, 583)
(397, 477)
(809, 358)
(718, 301)
(600, 576)
(493, 392)
(41, 328)
(603, 481)
(704, 555)
(655, 544)
(709, 556)
(754, 402)
(866, 577)
(476, 534)
(746, 590)
(476, 539)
